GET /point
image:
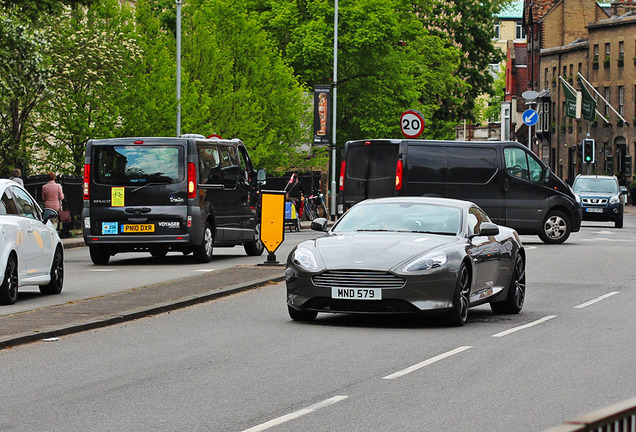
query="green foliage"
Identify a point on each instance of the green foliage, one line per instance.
(23, 77)
(35, 9)
(91, 53)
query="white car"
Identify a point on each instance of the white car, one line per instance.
(31, 252)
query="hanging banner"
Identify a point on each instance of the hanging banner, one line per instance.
(570, 101)
(589, 105)
(322, 114)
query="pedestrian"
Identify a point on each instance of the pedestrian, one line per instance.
(52, 195)
(16, 176)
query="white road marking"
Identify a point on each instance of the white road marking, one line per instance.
(426, 363)
(204, 270)
(515, 329)
(102, 270)
(295, 415)
(598, 299)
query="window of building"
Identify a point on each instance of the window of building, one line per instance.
(596, 53)
(621, 49)
(621, 100)
(607, 52)
(545, 78)
(554, 75)
(497, 30)
(565, 72)
(520, 32)
(606, 95)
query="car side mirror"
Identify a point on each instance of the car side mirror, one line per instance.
(48, 214)
(546, 175)
(319, 224)
(261, 176)
(488, 229)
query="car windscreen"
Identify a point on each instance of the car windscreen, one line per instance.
(401, 217)
(137, 165)
(598, 185)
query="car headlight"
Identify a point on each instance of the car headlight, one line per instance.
(615, 199)
(426, 262)
(578, 198)
(305, 259)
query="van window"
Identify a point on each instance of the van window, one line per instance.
(427, 164)
(471, 165)
(522, 165)
(138, 165)
(229, 165)
(209, 164)
(371, 162)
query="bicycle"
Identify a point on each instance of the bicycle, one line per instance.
(315, 206)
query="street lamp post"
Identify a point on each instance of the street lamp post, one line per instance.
(178, 67)
(332, 204)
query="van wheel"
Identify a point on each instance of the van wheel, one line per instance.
(203, 252)
(9, 286)
(159, 251)
(57, 274)
(99, 254)
(256, 247)
(556, 228)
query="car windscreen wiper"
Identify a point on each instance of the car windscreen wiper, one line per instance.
(151, 184)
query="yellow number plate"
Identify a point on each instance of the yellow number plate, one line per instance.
(138, 228)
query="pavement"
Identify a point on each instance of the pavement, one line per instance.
(54, 321)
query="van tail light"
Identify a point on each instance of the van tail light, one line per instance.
(192, 180)
(398, 176)
(343, 165)
(87, 179)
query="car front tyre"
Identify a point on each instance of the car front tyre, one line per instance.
(203, 252)
(459, 314)
(556, 228)
(57, 274)
(99, 254)
(256, 247)
(516, 290)
(619, 223)
(298, 315)
(9, 287)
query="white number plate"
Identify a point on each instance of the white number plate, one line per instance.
(593, 210)
(356, 293)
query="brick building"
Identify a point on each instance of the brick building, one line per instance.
(597, 40)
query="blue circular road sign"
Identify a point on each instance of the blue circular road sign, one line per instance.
(530, 117)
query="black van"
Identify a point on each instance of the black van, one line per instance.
(504, 178)
(158, 194)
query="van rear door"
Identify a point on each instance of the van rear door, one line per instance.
(138, 187)
(370, 168)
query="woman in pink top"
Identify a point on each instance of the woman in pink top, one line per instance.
(52, 193)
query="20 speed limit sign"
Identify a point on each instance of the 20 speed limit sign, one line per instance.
(412, 123)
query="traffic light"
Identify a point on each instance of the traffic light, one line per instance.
(588, 151)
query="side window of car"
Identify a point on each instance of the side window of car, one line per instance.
(535, 169)
(26, 206)
(9, 203)
(475, 218)
(516, 163)
(209, 164)
(229, 167)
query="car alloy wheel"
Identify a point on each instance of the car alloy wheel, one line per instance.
(458, 316)
(516, 290)
(556, 228)
(203, 252)
(9, 287)
(57, 274)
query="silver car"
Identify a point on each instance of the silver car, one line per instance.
(408, 255)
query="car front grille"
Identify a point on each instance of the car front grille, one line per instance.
(358, 279)
(595, 201)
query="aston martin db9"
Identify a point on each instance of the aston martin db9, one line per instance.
(407, 255)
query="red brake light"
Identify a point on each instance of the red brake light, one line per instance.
(87, 179)
(192, 180)
(343, 165)
(398, 175)
(138, 142)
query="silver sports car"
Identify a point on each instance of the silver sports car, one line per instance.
(407, 255)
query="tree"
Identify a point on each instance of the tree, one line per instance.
(34, 9)
(91, 52)
(23, 77)
(238, 86)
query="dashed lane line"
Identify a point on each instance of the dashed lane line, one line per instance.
(596, 300)
(426, 363)
(296, 414)
(525, 326)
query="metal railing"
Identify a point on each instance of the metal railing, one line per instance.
(620, 417)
